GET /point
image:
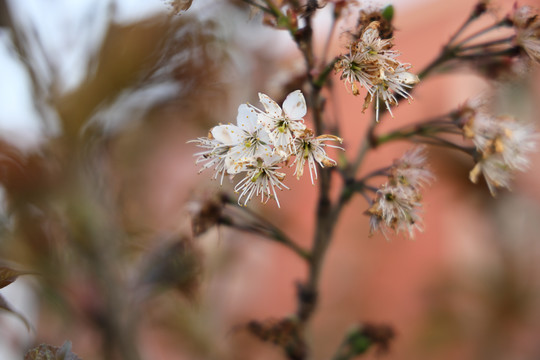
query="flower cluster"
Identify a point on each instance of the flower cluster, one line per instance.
(260, 144)
(527, 25)
(502, 146)
(372, 64)
(398, 201)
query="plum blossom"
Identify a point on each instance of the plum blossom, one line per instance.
(261, 144)
(284, 125)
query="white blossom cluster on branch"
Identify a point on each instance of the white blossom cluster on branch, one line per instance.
(261, 144)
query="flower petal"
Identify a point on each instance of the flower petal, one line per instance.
(247, 119)
(227, 134)
(272, 108)
(406, 78)
(294, 105)
(268, 122)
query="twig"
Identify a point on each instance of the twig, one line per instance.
(265, 228)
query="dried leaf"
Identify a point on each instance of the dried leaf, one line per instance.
(206, 213)
(6, 307)
(7, 276)
(175, 265)
(284, 333)
(49, 352)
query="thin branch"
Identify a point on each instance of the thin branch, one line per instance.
(265, 228)
(486, 44)
(481, 55)
(467, 22)
(438, 141)
(379, 172)
(481, 32)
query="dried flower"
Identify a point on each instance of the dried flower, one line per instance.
(381, 15)
(262, 178)
(397, 203)
(527, 25)
(372, 64)
(503, 145)
(311, 149)
(410, 170)
(395, 208)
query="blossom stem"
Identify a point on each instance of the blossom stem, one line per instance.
(486, 44)
(326, 216)
(265, 228)
(368, 143)
(444, 56)
(450, 52)
(424, 128)
(379, 172)
(273, 9)
(481, 54)
(438, 141)
(463, 26)
(481, 32)
(323, 76)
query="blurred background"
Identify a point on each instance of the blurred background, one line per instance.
(97, 102)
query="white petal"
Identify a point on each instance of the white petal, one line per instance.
(263, 151)
(294, 105)
(272, 108)
(406, 78)
(263, 136)
(271, 159)
(247, 119)
(227, 134)
(268, 122)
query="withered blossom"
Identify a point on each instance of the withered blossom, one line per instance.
(261, 179)
(310, 149)
(398, 201)
(527, 25)
(503, 145)
(372, 64)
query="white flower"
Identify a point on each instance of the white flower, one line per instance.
(311, 149)
(284, 125)
(355, 70)
(503, 145)
(390, 83)
(214, 155)
(247, 139)
(262, 178)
